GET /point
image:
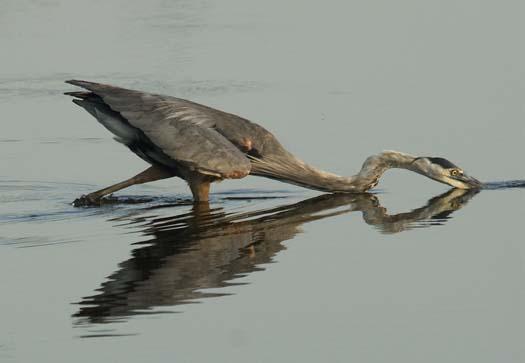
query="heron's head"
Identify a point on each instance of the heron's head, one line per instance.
(446, 172)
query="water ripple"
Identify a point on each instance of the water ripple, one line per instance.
(504, 184)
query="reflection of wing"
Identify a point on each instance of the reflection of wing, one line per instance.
(206, 249)
(210, 249)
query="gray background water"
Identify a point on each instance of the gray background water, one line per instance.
(336, 81)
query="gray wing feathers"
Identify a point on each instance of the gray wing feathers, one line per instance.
(183, 130)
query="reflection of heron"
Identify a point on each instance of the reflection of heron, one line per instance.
(210, 248)
(203, 145)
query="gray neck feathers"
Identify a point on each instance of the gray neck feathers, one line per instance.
(375, 166)
(292, 170)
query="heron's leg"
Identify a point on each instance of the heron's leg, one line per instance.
(151, 174)
(200, 188)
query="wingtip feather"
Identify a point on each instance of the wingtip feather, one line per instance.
(80, 83)
(79, 102)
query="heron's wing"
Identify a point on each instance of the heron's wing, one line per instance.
(182, 129)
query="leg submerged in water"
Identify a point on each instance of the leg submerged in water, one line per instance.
(153, 173)
(200, 188)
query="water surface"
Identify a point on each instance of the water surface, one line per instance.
(267, 272)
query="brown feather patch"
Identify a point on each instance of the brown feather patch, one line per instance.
(236, 174)
(246, 145)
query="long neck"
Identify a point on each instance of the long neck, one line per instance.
(295, 171)
(376, 165)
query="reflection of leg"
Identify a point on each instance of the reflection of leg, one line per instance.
(251, 251)
(151, 174)
(201, 211)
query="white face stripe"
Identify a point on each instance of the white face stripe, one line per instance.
(456, 183)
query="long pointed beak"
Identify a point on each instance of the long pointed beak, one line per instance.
(473, 183)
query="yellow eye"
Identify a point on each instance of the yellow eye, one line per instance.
(455, 172)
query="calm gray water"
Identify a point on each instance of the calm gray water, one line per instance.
(269, 272)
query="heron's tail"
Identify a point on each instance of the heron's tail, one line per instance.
(111, 120)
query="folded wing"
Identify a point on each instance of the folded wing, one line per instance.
(184, 131)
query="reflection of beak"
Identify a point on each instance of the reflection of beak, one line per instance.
(472, 183)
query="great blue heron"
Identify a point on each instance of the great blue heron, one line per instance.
(203, 145)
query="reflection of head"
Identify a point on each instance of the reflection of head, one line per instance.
(209, 248)
(436, 212)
